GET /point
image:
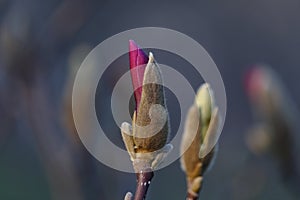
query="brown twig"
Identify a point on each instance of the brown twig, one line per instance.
(193, 190)
(143, 181)
(191, 196)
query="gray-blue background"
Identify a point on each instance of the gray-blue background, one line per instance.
(42, 42)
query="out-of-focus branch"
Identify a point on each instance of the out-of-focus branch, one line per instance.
(278, 121)
(23, 54)
(55, 151)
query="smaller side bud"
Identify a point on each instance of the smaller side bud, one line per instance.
(200, 138)
(128, 196)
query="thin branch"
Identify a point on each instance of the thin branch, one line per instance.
(193, 193)
(143, 182)
(191, 196)
(55, 152)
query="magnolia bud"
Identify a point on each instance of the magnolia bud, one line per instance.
(278, 118)
(200, 137)
(146, 139)
(151, 132)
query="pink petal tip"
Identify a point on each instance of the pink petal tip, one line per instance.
(138, 61)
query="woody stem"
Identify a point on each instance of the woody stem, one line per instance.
(143, 181)
(191, 196)
(193, 193)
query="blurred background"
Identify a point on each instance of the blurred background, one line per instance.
(42, 44)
